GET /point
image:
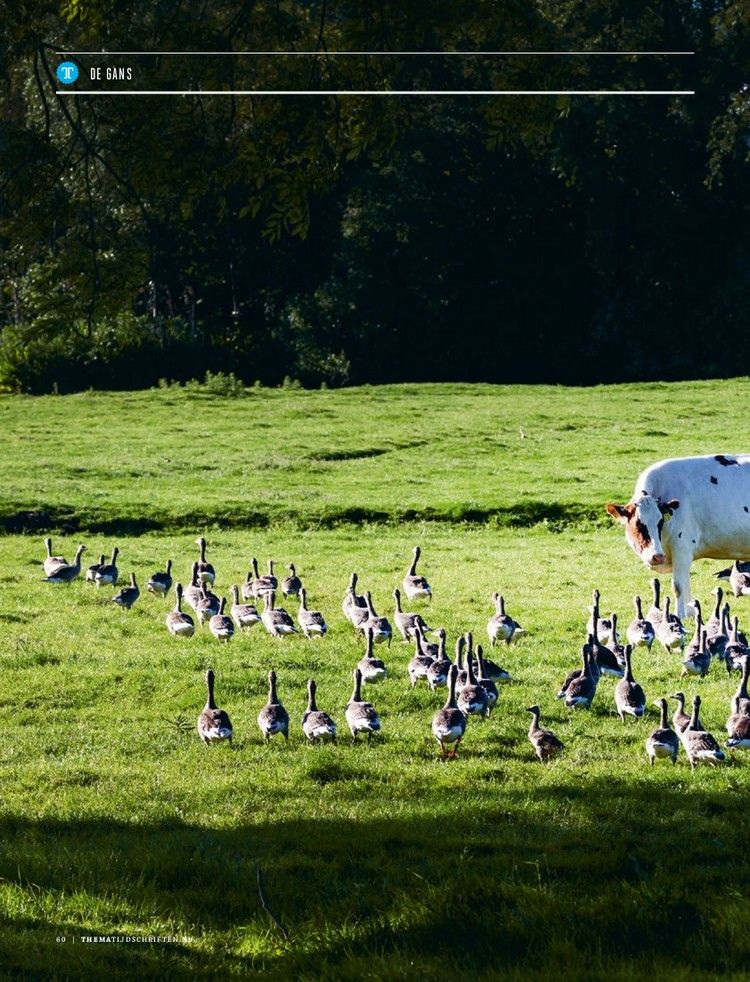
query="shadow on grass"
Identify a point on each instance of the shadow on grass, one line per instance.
(615, 875)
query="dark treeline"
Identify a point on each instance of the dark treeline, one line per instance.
(344, 239)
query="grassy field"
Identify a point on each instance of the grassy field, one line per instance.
(380, 861)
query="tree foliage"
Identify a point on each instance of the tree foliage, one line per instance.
(349, 238)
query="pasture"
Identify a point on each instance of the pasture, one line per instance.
(380, 861)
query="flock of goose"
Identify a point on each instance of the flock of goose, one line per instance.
(471, 679)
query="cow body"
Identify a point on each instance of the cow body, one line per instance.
(689, 508)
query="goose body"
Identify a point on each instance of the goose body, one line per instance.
(741, 702)
(273, 718)
(108, 573)
(663, 743)
(738, 724)
(604, 626)
(576, 673)
(372, 669)
(581, 690)
(603, 660)
(739, 579)
(51, 563)
(361, 716)
(94, 569)
(546, 745)
(487, 683)
(421, 662)
(352, 598)
(629, 696)
(406, 622)
(416, 587)
(214, 725)
(243, 615)
(640, 632)
(221, 626)
(670, 631)
(681, 719)
(292, 584)
(68, 572)
(501, 626)
(311, 621)
(381, 628)
(356, 614)
(179, 624)
(259, 586)
(735, 649)
(697, 662)
(449, 723)
(194, 590)
(437, 673)
(317, 726)
(655, 614)
(161, 583)
(472, 699)
(206, 572)
(128, 595)
(207, 605)
(276, 620)
(700, 746)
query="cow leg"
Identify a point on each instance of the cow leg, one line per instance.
(681, 563)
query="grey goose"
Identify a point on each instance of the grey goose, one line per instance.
(128, 595)
(160, 583)
(94, 568)
(220, 625)
(206, 605)
(51, 562)
(449, 723)
(640, 632)
(697, 662)
(630, 698)
(581, 690)
(179, 624)
(68, 572)
(420, 663)
(352, 598)
(214, 725)
(317, 726)
(546, 745)
(406, 622)
(108, 573)
(275, 619)
(373, 669)
(437, 673)
(473, 699)
(292, 584)
(700, 746)
(415, 586)
(485, 681)
(663, 743)
(381, 627)
(312, 622)
(273, 718)
(681, 719)
(501, 626)
(361, 716)
(206, 572)
(243, 615)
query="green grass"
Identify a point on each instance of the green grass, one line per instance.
(381, 861)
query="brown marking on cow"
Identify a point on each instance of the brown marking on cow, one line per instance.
(626, 515)
(726, 461)
(714, 480)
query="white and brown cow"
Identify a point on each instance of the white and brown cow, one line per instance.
(689, 508)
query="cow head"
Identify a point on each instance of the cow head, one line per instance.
(644, 520)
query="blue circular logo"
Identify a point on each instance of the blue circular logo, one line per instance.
(67, 72)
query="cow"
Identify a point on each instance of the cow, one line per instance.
(689, 508)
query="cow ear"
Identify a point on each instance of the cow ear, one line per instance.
(618, 512)
(670, 507)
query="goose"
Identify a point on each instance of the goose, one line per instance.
(603, 660)
(372, 669)
(640, 632)
(361, 716)
(128, 595)
(206, 572)
(739, 579)
(107, 574)
(581, 691)
(431, 648)
(68, 572)
(214, 724)
(718, 641)
(459, 662)
(51, 562)
(416, 587)
(351, 598)
(724, 574)
(698, 662)
(663, 742)
(487, 683)
(419, 666)
(406, 623)
(501, 626)
(270, 578)
(695, 642)
(381, 628)
(311, 621)
(449, 723)
(670, 631)
(495, 672)
(741, 702)
(161, 583)
(629, 696)
(193, 591)
(735, 649)
(243, 615)
(617, 649)
(273, 718)
(739, 734)
(275, 619)
(714, 623)
(437, 673)
(259, 585)
(220, 625)
(94, 569)
(179, 624)
(544, 742)
(317, 726)
(700, 746)
(681, 719)
(292, 584)
(473, 699)
(578, 672)
(655, 614)
(207, 606)
(605, 626)
(356, 615)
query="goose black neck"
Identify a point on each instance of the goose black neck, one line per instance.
(451, 701)
(311, 704)
(210, 684)
(272, 687)
(415, 560)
